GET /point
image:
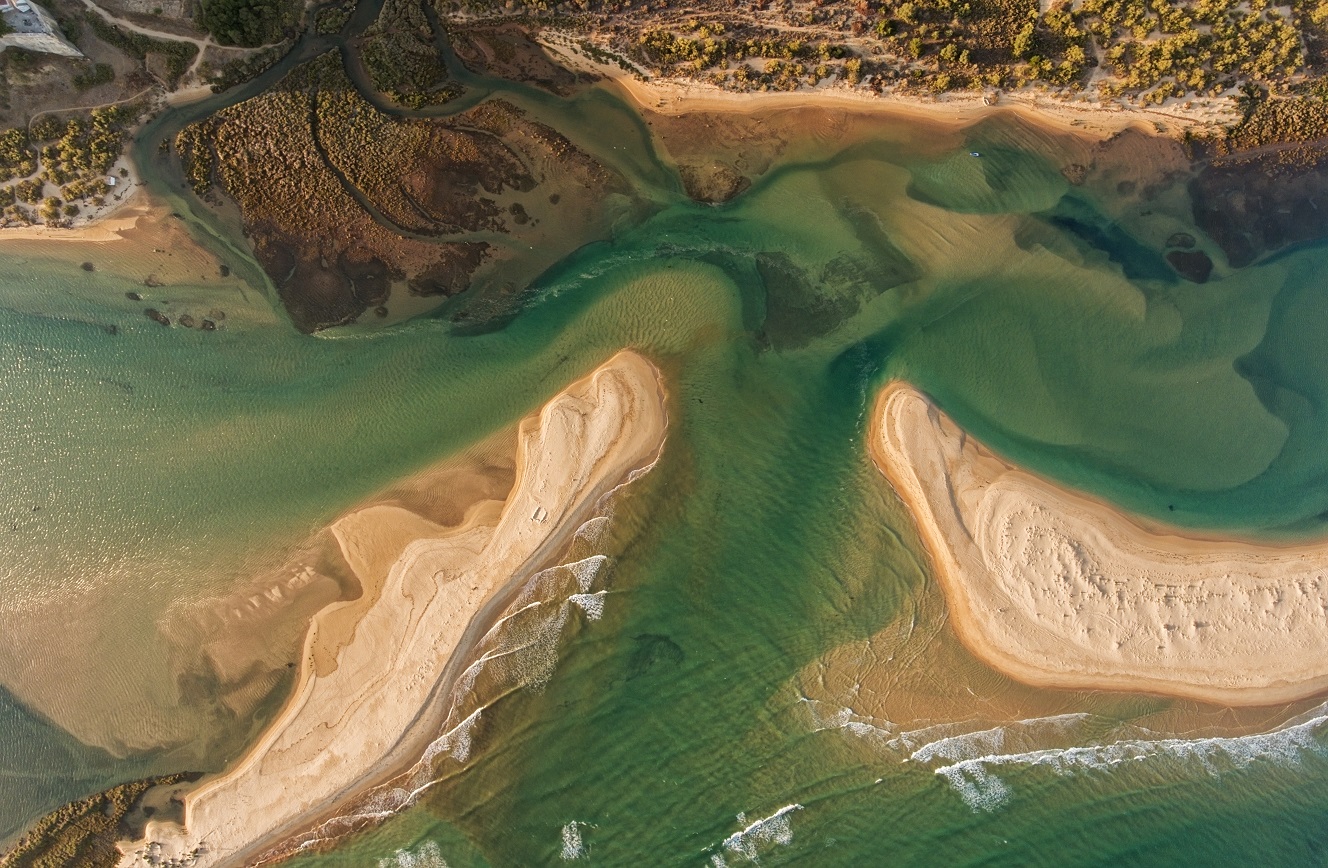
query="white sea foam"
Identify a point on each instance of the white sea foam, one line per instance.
(910, 740)
(587, 569)
(774, 829)
(526, 649)
(593, 530)
(591, 604)
(518, 651)
(498, 624)
(456, 742)
(846, 719)
(573, 847)
(1012, 737)
(969, 754)
(974, 777)
(427, 855)
(980, 790)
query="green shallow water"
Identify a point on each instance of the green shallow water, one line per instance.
(150, 469)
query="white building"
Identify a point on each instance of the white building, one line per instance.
(33, 29)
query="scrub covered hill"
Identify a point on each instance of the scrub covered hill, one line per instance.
(1146, 50)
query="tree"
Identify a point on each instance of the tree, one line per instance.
(245, 22)
(1023, 41)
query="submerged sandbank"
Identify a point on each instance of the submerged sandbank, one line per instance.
(146, 242)
(365, 680)
(1056, 589)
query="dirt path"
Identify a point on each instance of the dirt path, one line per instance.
(203, 43)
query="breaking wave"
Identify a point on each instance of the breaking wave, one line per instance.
(591, 604)
(974, 778)
(971, 755)
(518, 652)
(573, 847)
(1021, 736)
(748, 842)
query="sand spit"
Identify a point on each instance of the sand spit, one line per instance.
(1058, 590)
(365, 680)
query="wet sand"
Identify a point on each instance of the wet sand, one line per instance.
(145, 242)
(1055, 589)
(371, 664)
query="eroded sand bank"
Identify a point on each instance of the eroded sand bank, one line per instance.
(1059, 590)
(371, 664)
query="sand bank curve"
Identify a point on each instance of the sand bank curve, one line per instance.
(1056, 589)
(341, 723)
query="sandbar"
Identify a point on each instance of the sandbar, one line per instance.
(365, 680)
(1057, 589)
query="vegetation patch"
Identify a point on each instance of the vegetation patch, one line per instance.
(82, 834)
(177, 56)
(331, 20)
(241, 69)
(1144, 50)
(100, 73)
(402, 58)
(249, 23)
(76, 155)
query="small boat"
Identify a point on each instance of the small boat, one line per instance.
(974, 154)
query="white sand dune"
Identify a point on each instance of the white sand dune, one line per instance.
(1056, 589)
(371, 664)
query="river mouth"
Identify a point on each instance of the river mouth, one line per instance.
(762, 560)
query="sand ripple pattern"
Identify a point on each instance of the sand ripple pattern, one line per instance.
(1056, 589)
(394, 670)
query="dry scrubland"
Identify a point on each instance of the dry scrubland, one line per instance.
(343, 133)
(399, 51)
(1147, 50)
(83, 833)
(63, 121)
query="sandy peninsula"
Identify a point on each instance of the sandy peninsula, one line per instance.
(1056, 589)
(371, 664)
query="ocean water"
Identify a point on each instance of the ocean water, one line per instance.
(660, 702)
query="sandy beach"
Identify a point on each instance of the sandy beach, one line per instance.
(140, 238)
(370, 664)
(1080, 114)
(1056, 589)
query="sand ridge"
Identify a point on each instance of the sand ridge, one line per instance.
(342, 722)
(1056, 589)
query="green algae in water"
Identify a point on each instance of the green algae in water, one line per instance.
(670, 731)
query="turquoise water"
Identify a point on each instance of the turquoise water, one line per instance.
(169, 467)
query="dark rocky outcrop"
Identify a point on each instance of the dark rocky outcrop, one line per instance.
(1193, 265)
